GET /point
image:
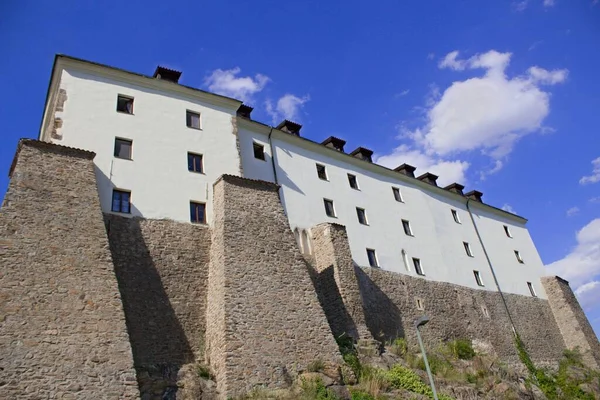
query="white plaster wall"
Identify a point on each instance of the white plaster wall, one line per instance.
(438, 239)
(254, 168)
(157, 176)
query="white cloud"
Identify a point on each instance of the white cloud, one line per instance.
(228, 83)
(589, 294)
(542, 76)
(595, 177)
(448, 171)
(572, 211)
(595, 200)
(451, 62)
(287, 107)
(520, 5)
(430, 56)
(508, 208)
(582, 265)
(549, 3)
(402, 93)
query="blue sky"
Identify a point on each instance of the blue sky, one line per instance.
(501, 95)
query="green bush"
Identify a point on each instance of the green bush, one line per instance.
(462, 349)
(437, 364)
(354, 363)
(203, 371)
(316, 366)
(399, 347)
(402, 377)
(361, 395)
(316, 390)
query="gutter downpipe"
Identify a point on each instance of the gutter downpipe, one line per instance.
(487, 257)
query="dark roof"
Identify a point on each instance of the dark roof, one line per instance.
(335, 141)
(291, 126)
(362, 150)
(405, 167)
(167, 74)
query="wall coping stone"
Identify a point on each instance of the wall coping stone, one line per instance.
(249, 183)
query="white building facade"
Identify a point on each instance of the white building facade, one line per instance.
(160, 146)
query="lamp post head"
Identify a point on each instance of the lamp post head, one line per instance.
(421, 321)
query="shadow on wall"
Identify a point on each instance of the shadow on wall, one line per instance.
(105, 192)
(158, 341)
(331, 302)
(382, 316)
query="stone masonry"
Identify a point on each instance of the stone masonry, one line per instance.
(162, 270)
(574, 326)
(62, 325)
(339, 291)
(264, 321)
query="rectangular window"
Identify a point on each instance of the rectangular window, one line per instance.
(485, 312)
(406, 226)
(195, 163)
(125, 104)
(519, 258)
(372, 258)
(397, 194)
(455, 216)
(478, 278)
(321, 172)
(352, 181)
(197, 212)
(418, 267)
(362, 216)
(329, 210)
(121, 201)
(420, 305)
(531, 289)
(123, 148)
(192, 119)
(259, 151)
(507, 231)
(468, 249)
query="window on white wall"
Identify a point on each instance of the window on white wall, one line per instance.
(478, 278)
(321, 172)
(123, 148)
(329, 209)
(362, 216)
(405, 260)
(124, 104)
(531, 289)
(407, 228)
(372, 258)
(121, 201)
(455, 216)
(519, 258)
(397, 194)
(468, 249)
(352, 181)
(259, 151)
(507, 231)
(195, 163)
(192, 119)
(418, 266)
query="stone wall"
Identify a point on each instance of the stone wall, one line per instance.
(336, 281)
(264, 321)
(162, 270)
(571, 320)
(62, 325)
(391, 308)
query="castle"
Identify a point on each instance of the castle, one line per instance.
(154, 225)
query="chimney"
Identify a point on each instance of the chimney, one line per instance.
(428, 177)
(244, 111)
(475, 195)
(455, 188)
(289, 127)
(406, 169)
(167, 74)
(363, 154)
(334, 143)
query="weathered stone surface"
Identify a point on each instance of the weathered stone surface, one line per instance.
(572, 322)
(62, 329)
(162, 270)
(264, 321)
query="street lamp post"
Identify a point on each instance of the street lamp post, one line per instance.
(418, 323)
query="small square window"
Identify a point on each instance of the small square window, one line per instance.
(197, 212)
(329, 210)
(123, 148)
(125, 104)
(485, 312)
(397, 194)
(321, 172)
(259, 151)
(362, 216)
(519, 258)
(192, 119)
(507, 231)
(468, 249)
(372, 258)
(418, 267)
(352, 181)
(455, 216)
(195, 163)
(420, 304)
(406, 226)
(478, 278)
(121, 201)
(531, 289)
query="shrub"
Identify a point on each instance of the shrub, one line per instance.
(203, 371)
(437, 364)
(374, 380)
(399, 347)
(361, 395)
(462, 349)
(402, 377)
(316, 390)
(316, 366)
